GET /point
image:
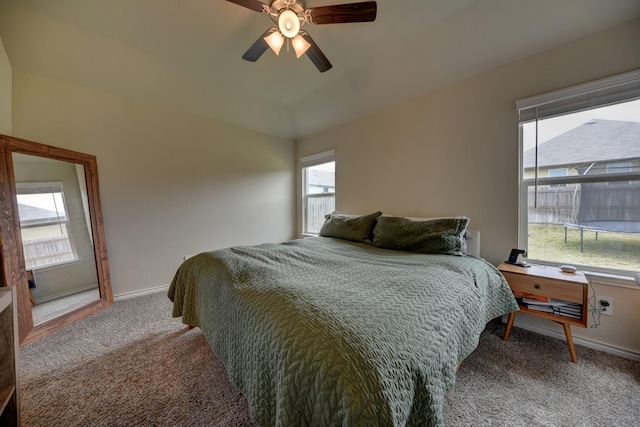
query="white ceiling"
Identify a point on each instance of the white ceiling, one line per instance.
(186, 54)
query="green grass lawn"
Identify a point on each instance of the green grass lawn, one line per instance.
(611, 250)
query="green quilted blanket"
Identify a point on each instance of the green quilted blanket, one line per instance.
(327, 332)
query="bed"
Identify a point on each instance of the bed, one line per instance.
(328, 331)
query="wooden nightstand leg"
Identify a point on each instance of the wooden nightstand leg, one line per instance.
(510, 320)
(572, 350)
(33, 300)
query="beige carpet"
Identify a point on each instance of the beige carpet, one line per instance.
(129, 365)
(132, 365)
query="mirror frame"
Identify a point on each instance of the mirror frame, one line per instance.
(15, 273)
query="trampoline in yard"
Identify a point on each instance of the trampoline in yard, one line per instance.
(606, 207)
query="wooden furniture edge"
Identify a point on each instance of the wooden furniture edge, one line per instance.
(565, 321)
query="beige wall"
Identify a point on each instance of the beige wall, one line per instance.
(5, 91)
(171, 184)
(455, 152)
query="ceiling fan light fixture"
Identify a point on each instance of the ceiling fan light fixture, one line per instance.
(290, 15)
(300, 45)
(289, 23)
(275, 41)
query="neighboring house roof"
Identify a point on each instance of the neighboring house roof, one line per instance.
(598, 141)
(35, 215)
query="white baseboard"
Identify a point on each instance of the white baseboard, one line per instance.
(147, 291)
(59, 295)
(595, 345)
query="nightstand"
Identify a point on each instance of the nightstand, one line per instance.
(549, 282)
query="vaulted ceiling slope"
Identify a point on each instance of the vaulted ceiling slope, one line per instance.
(186, 54)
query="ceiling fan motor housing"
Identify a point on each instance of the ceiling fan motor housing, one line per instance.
(277, 7)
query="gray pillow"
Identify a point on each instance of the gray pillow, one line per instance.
(357, 228)
(437, 235)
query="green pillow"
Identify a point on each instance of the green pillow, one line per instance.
(436, 236)
(357, 228)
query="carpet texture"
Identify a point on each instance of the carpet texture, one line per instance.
(132, 365)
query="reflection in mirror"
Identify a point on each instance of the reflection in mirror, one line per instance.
(55, 228)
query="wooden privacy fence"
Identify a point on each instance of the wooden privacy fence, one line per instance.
(555, 205)
(561, 204)
(47, 251)
(319, 205)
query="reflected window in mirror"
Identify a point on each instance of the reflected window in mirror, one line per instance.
(44, 225)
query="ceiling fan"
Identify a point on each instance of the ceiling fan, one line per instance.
(291, 15)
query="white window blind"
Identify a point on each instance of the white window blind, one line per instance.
(607, 91)
(318, 159)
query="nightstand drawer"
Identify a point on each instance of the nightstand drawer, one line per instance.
(554, 288)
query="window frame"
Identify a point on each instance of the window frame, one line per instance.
(608, 91)
(305, 163)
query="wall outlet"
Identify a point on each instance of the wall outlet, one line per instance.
(605, 309)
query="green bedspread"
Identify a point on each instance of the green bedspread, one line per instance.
(324, 332)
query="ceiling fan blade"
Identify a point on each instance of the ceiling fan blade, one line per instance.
(344, 13)
(315, 54)
(258, 48)
(256, 5)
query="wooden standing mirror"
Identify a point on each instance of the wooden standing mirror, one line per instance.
(52, 231)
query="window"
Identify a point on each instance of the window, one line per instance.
(622, 167)
(44, 224)
(318, 190)
(619, 168)
(580, 175)
(558, 172)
